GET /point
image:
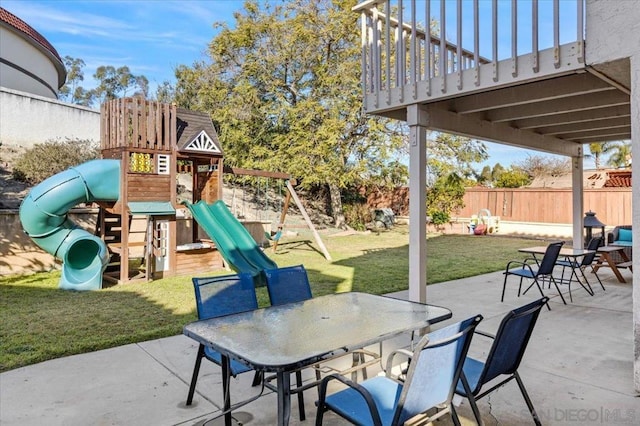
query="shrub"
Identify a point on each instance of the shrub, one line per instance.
(357, 215)
(513, 178)
(445, 196)
(440, 218)
(46, 159)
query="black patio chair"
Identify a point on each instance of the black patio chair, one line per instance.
(505, 355)
(582, 265)
(435, 368)
(216, 297)
(534, 272)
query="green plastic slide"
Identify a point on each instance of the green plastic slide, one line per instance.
(43, 215)
(232, 239)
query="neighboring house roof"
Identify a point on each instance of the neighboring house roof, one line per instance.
(592, 179)
(18, 24)
(196, 133)
(619, 179)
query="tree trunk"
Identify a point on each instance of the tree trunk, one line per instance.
(336, 207)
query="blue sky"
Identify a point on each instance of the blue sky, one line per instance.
(151, 37)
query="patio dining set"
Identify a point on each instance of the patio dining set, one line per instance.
(299, 332)
(543, 262)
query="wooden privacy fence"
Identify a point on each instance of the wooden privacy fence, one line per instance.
(536, 205)
(545, 205)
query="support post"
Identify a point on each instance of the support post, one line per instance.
(635, 202)
(417, 120)
(307, 219)
(577, 181)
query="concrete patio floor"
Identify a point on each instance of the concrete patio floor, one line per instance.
(578, 369)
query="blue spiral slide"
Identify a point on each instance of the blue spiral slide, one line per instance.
(43, 215)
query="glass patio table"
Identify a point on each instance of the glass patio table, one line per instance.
(282, 339)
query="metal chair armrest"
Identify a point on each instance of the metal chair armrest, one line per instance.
(358, 388)
(518, 262)
(485, 334)
(390, 359)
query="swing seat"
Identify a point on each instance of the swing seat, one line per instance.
(273, 237)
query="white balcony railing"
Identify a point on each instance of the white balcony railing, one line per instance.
(416, 50)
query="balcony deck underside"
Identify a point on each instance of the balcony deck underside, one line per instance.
(555, 110)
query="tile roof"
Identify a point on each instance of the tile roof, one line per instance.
(18, 24)
(618, 179)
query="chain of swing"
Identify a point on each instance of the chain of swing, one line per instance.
(266, 204)
(262, 205)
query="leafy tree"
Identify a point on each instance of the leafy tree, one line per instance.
(449, 165)
(485, 177)
(72, 91)
(165, 92)
(193, 82)
(75, 76)
(397, 174)
(112, 83)
(283, 87)
(119, 82)
(448, 153)
(496, 172)
(620, 155)
(513, 178)
(445, 196)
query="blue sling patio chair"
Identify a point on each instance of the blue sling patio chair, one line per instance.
(289, 285)
(216, 297)
(543, 270)
(587, 260)
(505, 355)
(435, 368)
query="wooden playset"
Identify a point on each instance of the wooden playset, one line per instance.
(148, 234)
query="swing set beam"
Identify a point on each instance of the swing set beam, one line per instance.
(250, 172)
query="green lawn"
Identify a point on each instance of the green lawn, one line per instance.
(40, 322)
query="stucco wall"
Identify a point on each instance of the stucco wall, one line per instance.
(612, 30)
(28, 119)
(23, 54)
